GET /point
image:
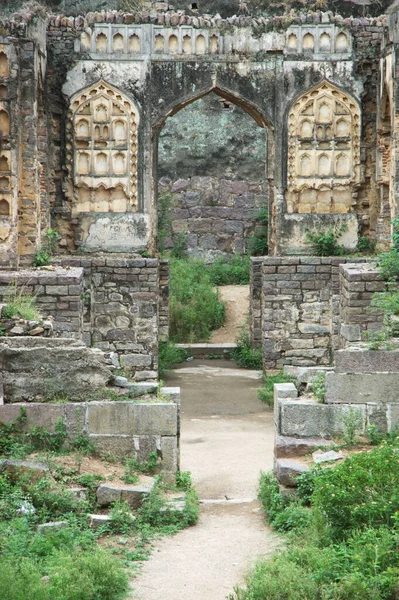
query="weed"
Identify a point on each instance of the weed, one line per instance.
(245, 355)
(258, 242)
(179, 248)
(352, 422)
(324, 241)
(183, 480)
(195, 307)
(318, 384)
(43, 256)
(169, 355)
(122, 520)
(365, 245)
(230, 271)
(266, 392)
(42, 439)
(20, 304)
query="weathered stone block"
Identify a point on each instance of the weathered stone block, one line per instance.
(308, 419)
(111, 418)
(351, 333)
(155, 419)
(287, 470)
(360, 388)
(366, 361)
(107, 493)
(289, 447)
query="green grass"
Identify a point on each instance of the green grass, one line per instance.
(230, 271)
(266, 392)
(195, 306)
(169, 355)
(245, 355)
(19, 304)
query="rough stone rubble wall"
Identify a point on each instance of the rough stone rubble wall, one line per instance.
(299, 309)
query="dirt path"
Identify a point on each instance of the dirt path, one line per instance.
(237, 308)
(227, 438)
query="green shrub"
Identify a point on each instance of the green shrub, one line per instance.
(43, 256)
(365, 245)
(318, 383)
(388, 264)
(19, 304)
(195, 307)
(324, 241)
(169, 355)
(230, 271)
(266, 392)
(156, 512)
(258, 242)
(245, 355)
(361, 492)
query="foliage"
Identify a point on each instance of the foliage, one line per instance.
(20, 304)
(258, 242)
(365, 245)
(266, 392)
(230, 271)
(170, 355)
(144, 467)
(122, 519)
(352, 422)
(344, 547)
(388, 303)
(245, 355)
(42, 439)
(195, 307)
(319, 385)
(43, 256)
(324, 241)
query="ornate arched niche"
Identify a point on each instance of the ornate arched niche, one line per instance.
(102, 150)
(323, 151)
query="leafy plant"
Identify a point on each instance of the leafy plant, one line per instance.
(43, 256)
(169, 355)
(352, 422)
(258, 242)
(195, 307)
(319, 385)
(245, 355)
(266, 392)
(230, 271)
(365, 245)
(324, 241)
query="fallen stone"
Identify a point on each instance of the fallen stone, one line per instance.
(287, 470)
(107, 493)
(26, 469)
(97, 521)
(320, 457)
(36, 331)
(140, 388)
(51, 526)
(289, 447)
(121, 381)
(78, 492)
(17, 330)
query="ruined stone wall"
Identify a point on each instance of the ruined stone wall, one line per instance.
(358, 283)
(164, 280)
(58, 293)
(300, 310)
(215, 216)
(255, 302)
(122, 297)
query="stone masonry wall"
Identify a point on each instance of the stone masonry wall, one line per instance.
(217, 216)
(121, 298)
(58, 294)
(163, 323)
(300, 310)
(358, 283)
(255, 302)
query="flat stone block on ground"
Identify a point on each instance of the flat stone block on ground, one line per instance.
(289, 447)
(360, 388)
(107, 493)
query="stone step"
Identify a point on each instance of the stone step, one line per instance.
(97, 521)
(108, 493)
(203, 350)
(290, 447)
(24, 469)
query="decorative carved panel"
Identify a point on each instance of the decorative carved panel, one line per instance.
(323, 151)
(102, 150)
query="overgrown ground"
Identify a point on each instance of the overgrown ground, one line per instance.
(342, 532)
(75, 561)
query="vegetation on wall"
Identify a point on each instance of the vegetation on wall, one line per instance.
(344, 533)
(324, 241)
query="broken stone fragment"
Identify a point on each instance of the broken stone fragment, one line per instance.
(320, 457)
(36, 331)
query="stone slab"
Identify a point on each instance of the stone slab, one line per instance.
(361, 388)
(310, 419)
(108, 493)
(289, 447)
(366, 361)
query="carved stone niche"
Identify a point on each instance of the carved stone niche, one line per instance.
(323, 152)
(102, 151)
